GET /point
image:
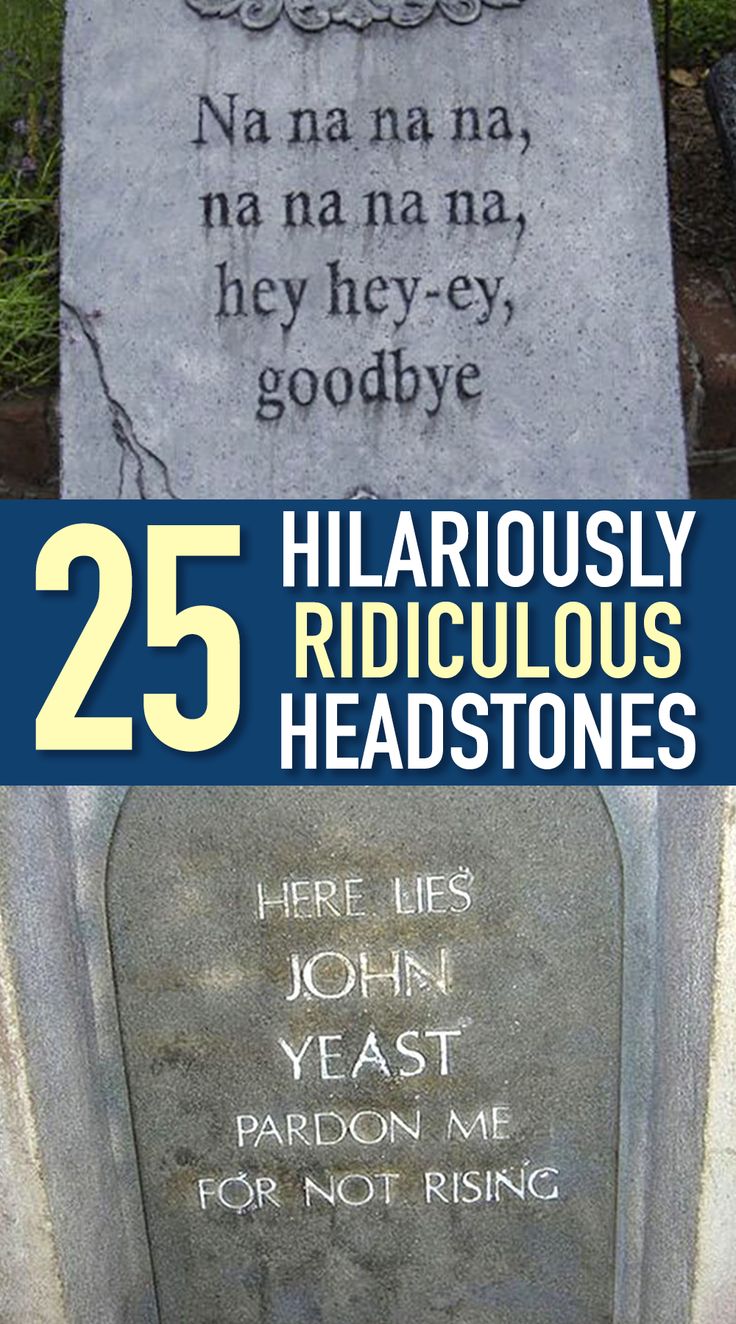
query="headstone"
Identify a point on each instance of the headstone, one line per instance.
(325, 248)
(373, 1040)
(71, 1169)
(720, 90)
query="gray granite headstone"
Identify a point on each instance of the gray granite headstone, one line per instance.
(276, 1080)
(317, 248)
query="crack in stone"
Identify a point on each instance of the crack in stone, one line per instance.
(151, 475)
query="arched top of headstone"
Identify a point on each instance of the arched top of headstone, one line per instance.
(315, 15)
(385, 1024)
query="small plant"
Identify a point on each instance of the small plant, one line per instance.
(702, 30)
(30, 119)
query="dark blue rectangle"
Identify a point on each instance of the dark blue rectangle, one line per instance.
(42, 628)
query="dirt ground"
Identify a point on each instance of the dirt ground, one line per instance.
(704, 240)
(703, 202)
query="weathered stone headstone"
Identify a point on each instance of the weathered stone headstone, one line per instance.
(330, 247)
(78, 1236)
(372, 1042)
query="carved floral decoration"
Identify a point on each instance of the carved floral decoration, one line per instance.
(314, 15)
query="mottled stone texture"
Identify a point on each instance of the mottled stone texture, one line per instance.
(533, 983)
(543, 320)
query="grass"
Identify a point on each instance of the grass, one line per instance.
(702, 30)
(30, 119)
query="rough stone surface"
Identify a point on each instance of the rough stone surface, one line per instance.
(28, 1270)
(715, 1270)
(203, 991)
(65, 1245)
(576, 361)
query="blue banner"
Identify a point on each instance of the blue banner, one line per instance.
(260, 642)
